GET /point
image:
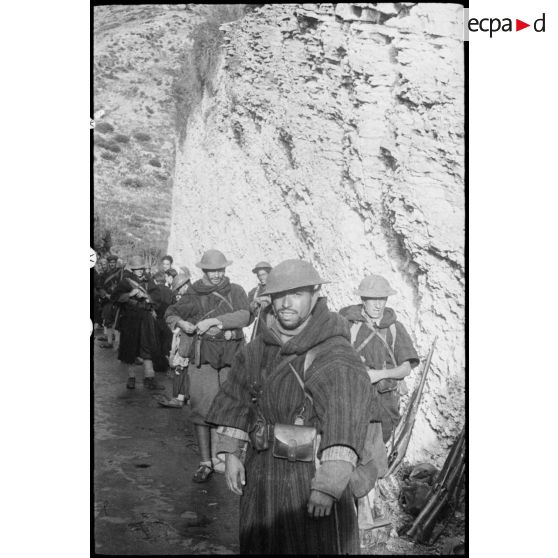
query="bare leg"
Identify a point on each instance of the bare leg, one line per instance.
(203, 438)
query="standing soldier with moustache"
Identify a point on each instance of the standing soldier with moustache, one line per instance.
(301, 395)
(259, 303)
(137, 337)
(213, 312)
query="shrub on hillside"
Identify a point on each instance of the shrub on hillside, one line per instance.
(104, 128)
(133, 182)
(107, 144)
(102, 235)
(199, 62)
(108, 155)
(155, 162)
(122, 138)
(141, 136)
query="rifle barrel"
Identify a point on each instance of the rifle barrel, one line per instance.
(402, 443)
(256, 323)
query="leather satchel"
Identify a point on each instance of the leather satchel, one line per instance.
(294, 442)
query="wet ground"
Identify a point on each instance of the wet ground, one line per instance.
(144, 458)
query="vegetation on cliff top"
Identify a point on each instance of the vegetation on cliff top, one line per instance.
(199, 61)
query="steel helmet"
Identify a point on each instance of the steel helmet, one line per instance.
(375, 286)
(112, 258)
(136, 262)
(213, 259)
(292, 274)
(261, 265)
(179, 281)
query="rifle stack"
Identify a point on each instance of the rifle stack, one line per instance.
(444, 492)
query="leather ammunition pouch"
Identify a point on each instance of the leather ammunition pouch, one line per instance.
(294, 442)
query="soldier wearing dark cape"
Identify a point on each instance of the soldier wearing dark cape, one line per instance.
(289, 504)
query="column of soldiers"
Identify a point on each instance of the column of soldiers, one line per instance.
(293, 411)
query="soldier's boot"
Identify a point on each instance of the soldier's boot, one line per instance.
(149, 376)
(150, 383)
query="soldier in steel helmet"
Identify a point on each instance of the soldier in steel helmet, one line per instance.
(300, 372)
(259, 302)
(212, 312)
(384, 346)
(138, 331)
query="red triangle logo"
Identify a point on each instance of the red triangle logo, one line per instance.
(519, 25)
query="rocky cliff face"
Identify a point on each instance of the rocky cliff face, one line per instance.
(336, 134)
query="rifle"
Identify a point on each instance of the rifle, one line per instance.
(256, 323)
(403, 434)
(117, 315)
(445, 490)
(136, 285)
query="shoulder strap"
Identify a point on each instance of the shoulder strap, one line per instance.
(367, 340)
(226, 301)
(390, 350)
(393, 331)
(309, 358)
(355, 328)
(301, 382)
(111, 277)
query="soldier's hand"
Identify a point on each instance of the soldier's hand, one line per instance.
(319, 504)
(186, 327)
(375, 375)
(263, 301)
(134, 292)
(204, 325)
(235, 474)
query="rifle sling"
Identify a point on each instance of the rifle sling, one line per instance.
(226, 301)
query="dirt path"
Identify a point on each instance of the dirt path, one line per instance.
(145, 501)
(144, 457)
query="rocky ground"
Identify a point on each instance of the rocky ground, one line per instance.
(144, 500)
(136, 55)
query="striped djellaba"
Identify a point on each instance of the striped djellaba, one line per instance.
(273, 507)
